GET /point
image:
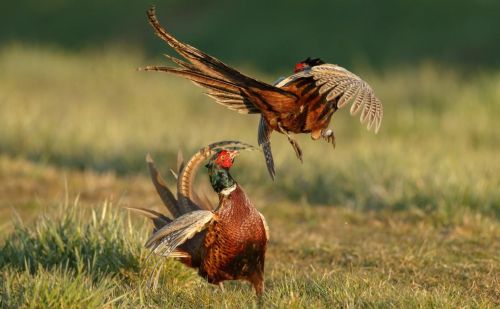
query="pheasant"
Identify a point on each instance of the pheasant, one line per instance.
(303, 102)
(228, 243)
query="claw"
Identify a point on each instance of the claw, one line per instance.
(329, 136)
(296, 147)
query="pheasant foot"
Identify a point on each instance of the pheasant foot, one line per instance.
(329, 136)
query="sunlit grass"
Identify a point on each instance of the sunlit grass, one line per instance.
(436, 149)
(76, 257)
(405, 218)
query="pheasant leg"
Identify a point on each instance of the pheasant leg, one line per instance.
(293, 142)
(221, 286)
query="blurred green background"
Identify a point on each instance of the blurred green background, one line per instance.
(272, 35)
(70, 95)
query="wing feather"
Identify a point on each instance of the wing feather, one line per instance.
(348, 96)
(337, 91)
(346, 87)
(174, 234)
(331, 84)
(358, 102)
(373, 111)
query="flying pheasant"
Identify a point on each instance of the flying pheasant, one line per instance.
(228, 243)
(303, 102)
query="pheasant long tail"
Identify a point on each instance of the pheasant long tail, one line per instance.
(164, 192)
(264, 136)
(159, 220)
(225, 84)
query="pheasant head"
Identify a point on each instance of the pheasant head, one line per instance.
(307, 64)
(218, 171)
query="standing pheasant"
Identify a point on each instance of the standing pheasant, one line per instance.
(228, 243)
(303, 102)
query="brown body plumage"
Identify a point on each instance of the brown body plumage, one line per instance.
(304, 102)
(228, 243)
(235, 245)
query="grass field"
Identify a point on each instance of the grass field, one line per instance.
(405, 218)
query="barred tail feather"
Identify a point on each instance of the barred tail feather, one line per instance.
(268, 155)
(159, 220)
(264, 135)
(164, 192)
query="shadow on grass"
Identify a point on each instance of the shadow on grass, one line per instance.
(357, 184)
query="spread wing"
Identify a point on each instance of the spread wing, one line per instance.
(223, 83)
(338, 87)
(165, 240)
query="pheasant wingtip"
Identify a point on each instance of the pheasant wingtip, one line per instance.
(378, 123)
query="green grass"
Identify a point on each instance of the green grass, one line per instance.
(94, 258)
(405, 218)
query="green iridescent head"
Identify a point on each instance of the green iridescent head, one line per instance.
(218, 169)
